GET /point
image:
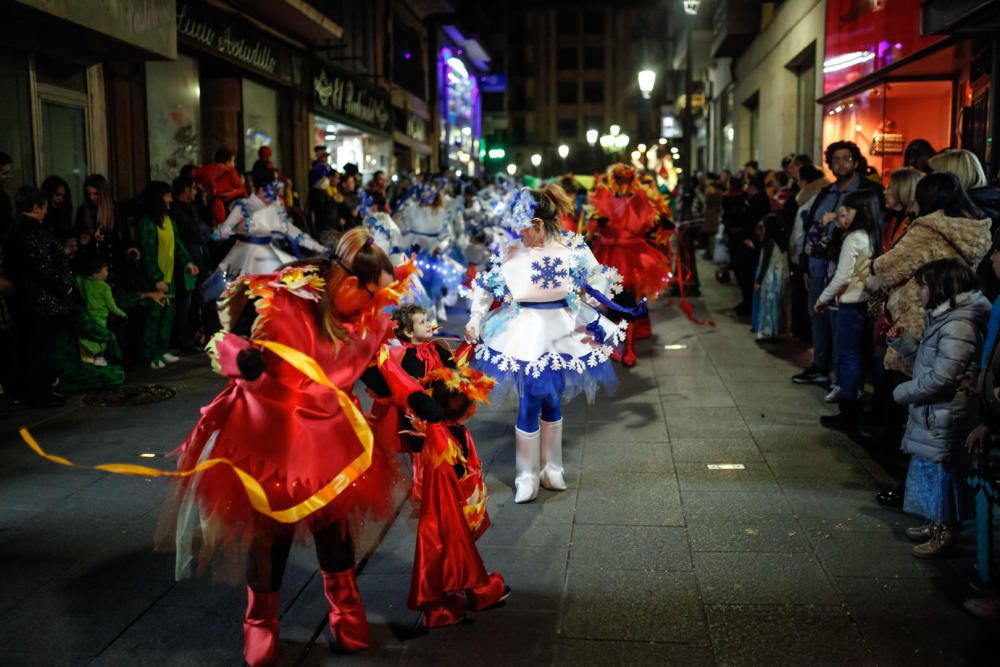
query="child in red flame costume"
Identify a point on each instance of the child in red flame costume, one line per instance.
(418, 355)
(625, 214)
(303, 448)
(448, 572)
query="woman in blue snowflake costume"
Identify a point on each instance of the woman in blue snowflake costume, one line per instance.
(428, 230)
(545, 341)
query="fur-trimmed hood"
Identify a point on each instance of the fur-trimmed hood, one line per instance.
(929, 238)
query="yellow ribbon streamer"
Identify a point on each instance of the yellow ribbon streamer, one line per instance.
(255, 492)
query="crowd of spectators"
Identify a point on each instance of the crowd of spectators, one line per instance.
(893, 287)
(88, 292)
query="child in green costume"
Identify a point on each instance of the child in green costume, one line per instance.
(99, 303)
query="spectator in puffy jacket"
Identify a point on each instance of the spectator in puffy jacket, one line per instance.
(942, 410)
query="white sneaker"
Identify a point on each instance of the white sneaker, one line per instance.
(170, 358)
(99, 361)
(833, 396)
(157, 365)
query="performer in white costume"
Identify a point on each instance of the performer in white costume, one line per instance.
(545, 341)
(259, 223)
(428, 230)
(389, 238)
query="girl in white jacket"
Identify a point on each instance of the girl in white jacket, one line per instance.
(858, 219)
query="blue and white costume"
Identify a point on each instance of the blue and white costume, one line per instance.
(428, 230)
(546, 341)
(257, 225)
(389, 238)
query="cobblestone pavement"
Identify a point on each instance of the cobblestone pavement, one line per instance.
(650, 557)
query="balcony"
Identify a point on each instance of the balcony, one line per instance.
(736, 23)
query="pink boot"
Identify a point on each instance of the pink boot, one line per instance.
(348, 622)
(260, 628)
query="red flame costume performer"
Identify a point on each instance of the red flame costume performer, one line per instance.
(388, 418)
(289, 424)
(448, 572)
(626, 215)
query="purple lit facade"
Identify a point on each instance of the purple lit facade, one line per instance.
(460, 112)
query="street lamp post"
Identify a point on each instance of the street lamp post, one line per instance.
(647, 81)
(536, 160)
(563, 151)
(511, 169)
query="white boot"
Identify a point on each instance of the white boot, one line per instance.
(442, 312)
(552, 467)
(526, 464)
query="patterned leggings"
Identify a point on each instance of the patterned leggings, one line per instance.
(159, 326)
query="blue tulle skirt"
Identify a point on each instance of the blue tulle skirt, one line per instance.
(562, 384)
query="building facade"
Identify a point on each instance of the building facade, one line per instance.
(792, 76)
(761, 67)
(65, 65)
(137, 89)
(568, 68)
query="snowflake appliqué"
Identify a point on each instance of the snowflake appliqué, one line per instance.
(548, 273)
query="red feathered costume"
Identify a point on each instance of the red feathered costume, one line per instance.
(291, 435)
(624, 218)
(388, 418)
(448, 572)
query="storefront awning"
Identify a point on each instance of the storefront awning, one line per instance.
(296, 17)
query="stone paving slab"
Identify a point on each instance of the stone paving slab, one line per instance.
(786, 635)
(633, 605)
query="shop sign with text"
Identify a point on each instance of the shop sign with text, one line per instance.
(350, 99)
(237, 41)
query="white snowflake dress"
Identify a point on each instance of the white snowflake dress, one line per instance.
(546, 339)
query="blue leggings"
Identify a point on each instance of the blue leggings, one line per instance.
(531, 407)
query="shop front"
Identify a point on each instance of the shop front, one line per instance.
(353, 120)
(232, 85)
(56, 119)
(886, 84)
(460, 113)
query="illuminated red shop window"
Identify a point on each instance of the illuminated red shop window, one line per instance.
(864, 36)
(883, 119)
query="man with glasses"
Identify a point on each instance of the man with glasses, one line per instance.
(822, 247)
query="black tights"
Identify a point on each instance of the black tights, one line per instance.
(268, 555)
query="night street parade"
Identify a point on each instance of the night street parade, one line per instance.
(468, 332)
